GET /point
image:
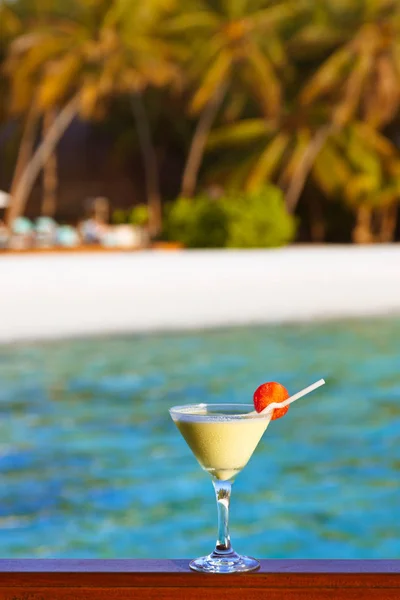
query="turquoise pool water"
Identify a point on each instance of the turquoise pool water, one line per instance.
(92, 466)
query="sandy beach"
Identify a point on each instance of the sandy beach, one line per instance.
(60, 295)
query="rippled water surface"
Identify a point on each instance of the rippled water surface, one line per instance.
(92, 466)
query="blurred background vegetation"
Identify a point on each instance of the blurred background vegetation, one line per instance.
(255, 121)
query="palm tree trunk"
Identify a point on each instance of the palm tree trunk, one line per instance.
(299, 178)
(25, 147)
(198, 144)
(150, 164)
(50, 176)
(317, 223)
(362, 232)
(388, 223)
(41, 155)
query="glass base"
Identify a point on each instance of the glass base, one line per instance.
(229, 563)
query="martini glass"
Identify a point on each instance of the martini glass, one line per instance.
(223, 438)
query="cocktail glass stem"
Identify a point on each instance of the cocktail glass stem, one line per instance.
(224, 559)
(223, 495)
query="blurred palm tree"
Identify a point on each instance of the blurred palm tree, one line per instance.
(361, 78)
(75, 65)
(10, 27)
(282, 151)
(143, 44)
(230, 42)
(362, 167)
(361, 81)
(50, 170)
(355, 162)
(37, 11)
(356, 89)
(301, 90)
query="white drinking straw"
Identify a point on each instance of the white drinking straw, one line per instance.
(300, 394)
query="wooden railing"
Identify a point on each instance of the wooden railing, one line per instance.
(167, 579)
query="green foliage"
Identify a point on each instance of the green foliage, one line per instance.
(107, 49)
(238, 220)
(120, 217)
(138, 215)
(288, 71)
(259, 219)
(197, 223)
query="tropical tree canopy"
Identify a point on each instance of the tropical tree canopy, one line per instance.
(303, 95)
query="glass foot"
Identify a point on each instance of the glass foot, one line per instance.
(230, 563)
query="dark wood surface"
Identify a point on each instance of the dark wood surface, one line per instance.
(166, 579)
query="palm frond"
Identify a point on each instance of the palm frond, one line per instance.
(276, 15)
(213, 79)
(191, 22)
(328, 76)
(361, 186)
(371, 138)
(345, 110)
(363, 158)
(315, 37)
(265, 82)
(56, 81)
(89, 97)
(238, 134)
(330, 170)
(302, 140)
(387, 197)
(21, 92)
(276, 51)
(33, 50)
(382, 100)
(11, 24)
(268, 161)
(235, 105)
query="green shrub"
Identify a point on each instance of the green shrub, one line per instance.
(119, 217)
(259, 219)
(138, 215)
(197, 223)
(238, 220)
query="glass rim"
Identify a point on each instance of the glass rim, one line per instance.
(185, 412)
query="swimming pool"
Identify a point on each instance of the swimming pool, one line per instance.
(92, 466)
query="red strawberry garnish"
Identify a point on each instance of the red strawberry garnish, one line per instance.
(270, 392)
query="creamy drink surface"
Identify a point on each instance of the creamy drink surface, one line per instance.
(222, 444)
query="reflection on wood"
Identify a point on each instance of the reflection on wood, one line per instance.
(167, 579)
